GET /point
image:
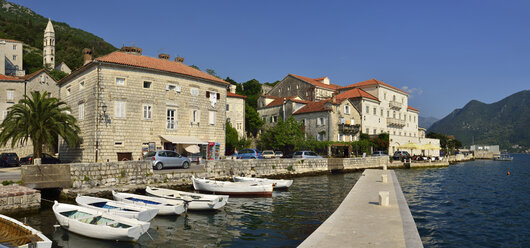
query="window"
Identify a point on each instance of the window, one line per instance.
(147, 85)
(367, 130)
(388, 113)
(211, 119)
(304, 121)
(382, 113)
(81, 111)
(367, 109)
(194, 91)
(228, 119)
(195, 116)
(375, 111)
(264, 119)
(68, 91)
(4, 115)
(14, 57)
(385, 96)
(275, 119)
(346, 109)
(170, 119)
(10, 95)
(239, 126)
(81, 85)
(120, 81)
(341, 120)
(120, 109)
(320, 136)
(118, 143)
(14, 47)
(227, 107)
(375, 130)
(148, 109)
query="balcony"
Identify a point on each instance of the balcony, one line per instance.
(348, 129)
(394, 105)
(395, 122)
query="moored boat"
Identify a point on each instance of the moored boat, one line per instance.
(14, 233)
(98, 224)
(276, 183)
(196, 201)
(129, 210)
(504, 157)
(232, 188)
(164, 206)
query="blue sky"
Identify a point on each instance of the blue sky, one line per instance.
(445, 53)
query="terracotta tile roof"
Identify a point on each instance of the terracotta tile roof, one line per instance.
(355, 93)
(230, 94)
(11, 40)
(123, 58)
(269, 96)
(313, 107)
(370, 82)
(315, 82)
(279, 101)
(411, 108)
(30, 76)
(9, 78)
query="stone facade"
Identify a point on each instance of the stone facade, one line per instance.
(16, 198)
(48, 50)
(123, 111)
(13, 89)
(235, 111)
(11, 57)
(306, 88)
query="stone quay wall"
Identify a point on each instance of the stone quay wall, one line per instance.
(15, 198)
(88, 175)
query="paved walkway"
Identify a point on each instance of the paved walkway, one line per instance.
(361, 222)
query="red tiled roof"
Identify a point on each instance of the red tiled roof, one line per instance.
(11, 40)
(279, 101)
(411, 108)
(30, 76)
(123, 58)
(230, 94)
(315, 82)
(355, 93)
(370, 82)
(269, 96)
(312, 107)
(9, 78)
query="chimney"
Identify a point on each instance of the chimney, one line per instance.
(324, 80)
(87, 55)
(163, 56)
(179, 59)
(132, 50)
(233, 88)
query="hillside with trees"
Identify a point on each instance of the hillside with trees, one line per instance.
(22, 24)
(505, 123)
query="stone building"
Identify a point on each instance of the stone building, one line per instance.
(11, 58)
(13, 89)
(127, 104)
(382, 108)
(235, 110)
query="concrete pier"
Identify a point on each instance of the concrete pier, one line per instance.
(373, 214)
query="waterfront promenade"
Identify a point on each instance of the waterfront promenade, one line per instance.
(362, 220)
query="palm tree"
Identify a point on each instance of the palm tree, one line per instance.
(41, 119)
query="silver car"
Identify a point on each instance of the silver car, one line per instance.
(163, 159)
(306, 154)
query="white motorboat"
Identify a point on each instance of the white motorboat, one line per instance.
(232, 188)
(504, 157)
(98, 224)
(276, 183)
(196, 201)
(129, 210)
(14, 233)
(164, 206)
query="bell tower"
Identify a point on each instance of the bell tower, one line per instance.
(49, 46)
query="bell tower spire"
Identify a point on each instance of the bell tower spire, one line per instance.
(49, 46)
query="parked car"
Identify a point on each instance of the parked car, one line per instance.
(306, 154)
(379, 154)
(287, 155)
(249, 154)
(278, 154)
(268, 154)
(9, 159)
(401, 155)
(45, 159)
(164, 158)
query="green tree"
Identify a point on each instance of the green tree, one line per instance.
(252, 120)
(40, 119)
(212, 72)
(231, 138)
(195, 67)
(58, 75)
(285, 136)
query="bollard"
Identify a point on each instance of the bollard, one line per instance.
(37, 161)
(384, 178)
(384, 199)
(385, 167)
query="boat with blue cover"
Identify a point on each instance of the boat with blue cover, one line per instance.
(196, 201)
(129, 210)
(164, 206)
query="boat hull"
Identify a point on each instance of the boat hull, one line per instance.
(196, 201)
(165, 206)
(142, 213)
(232, 188)
(277, 183)
(7, 223)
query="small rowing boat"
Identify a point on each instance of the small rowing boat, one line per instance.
(14, 233)
(196, 201)
(232, 188)
(98, 224)
(276, 183)
(124, 209)
(164, 206)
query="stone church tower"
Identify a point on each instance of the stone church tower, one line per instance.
(49, 46)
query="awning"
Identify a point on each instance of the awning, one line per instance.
(190, 140)
(193, 149)
(410, 146)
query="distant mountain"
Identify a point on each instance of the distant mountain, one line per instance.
(506, 122)
(426, 122)
(22, 24)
